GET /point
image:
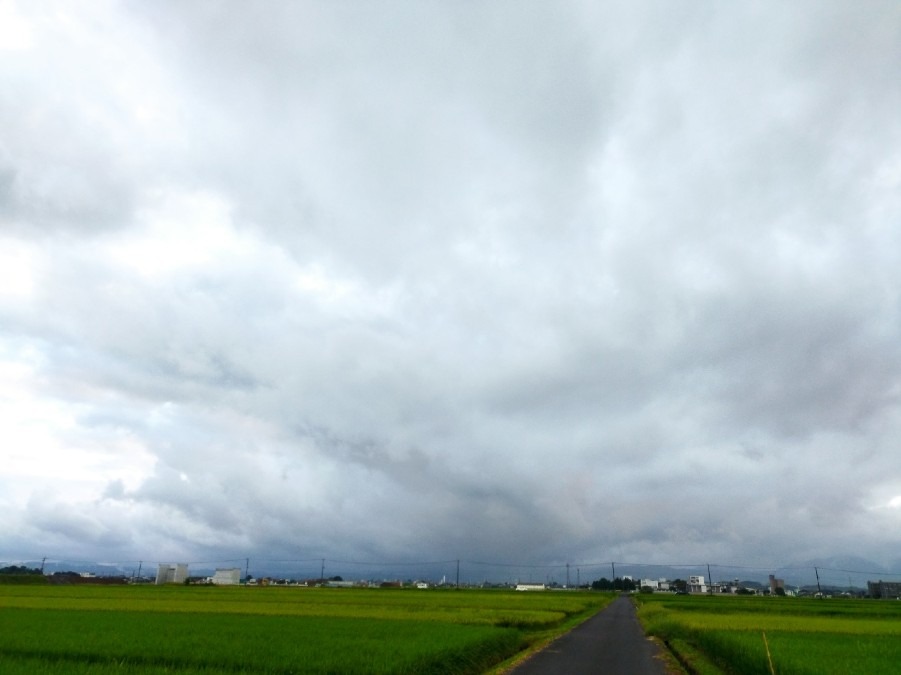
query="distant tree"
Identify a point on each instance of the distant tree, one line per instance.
(780, 590)
(602, 584)
(18, 569)
(680, 585)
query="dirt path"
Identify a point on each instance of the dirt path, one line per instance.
(611, 642)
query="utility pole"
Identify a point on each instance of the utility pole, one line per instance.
(43, 560)
(567, 575)
(246, 570)
(817, 572)
(578, 578)
(709, 578)
(458, 573)
(613, 580)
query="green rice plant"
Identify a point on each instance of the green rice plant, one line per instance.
(11, 665)
(774, 606)
(188, 630)
(818, 654)
(263, 644)
(763, 622)
(692, 658)
(474, 607)
(805, 637)
(798, 653)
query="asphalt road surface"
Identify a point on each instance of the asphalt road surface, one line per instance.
(611, 642)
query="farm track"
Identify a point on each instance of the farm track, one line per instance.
(612, 642)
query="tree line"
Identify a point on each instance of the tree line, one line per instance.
(18, 569)
(627, 584)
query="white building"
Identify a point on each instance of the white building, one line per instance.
(176, 573)
(650, 583)
(227, 576)
(530, 587)
(696, 584)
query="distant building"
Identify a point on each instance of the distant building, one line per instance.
(731, 586)
(696, 584)
(172, 573)
(530, 587)
(650, 583)
(884, 589)
(227, 576)
(776, 584)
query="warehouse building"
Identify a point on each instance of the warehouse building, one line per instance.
(227, 576)
(172, 573)
(884, 589)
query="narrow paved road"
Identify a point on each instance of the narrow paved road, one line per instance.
(612, 642)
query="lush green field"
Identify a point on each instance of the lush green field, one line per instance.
(803, 636)
(188, 630)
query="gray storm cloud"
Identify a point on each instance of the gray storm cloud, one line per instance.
(515, 282)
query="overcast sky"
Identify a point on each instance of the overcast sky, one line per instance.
(507, 281)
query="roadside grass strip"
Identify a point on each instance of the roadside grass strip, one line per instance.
(188, 631)
(804, 636)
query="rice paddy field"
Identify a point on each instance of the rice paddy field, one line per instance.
(785, 636)
(188, 630)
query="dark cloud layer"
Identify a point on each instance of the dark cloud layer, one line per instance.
(508, 282)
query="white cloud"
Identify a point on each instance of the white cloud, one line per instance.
(15, 29)
(48, 446)
(181, 234)
(18, 262)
